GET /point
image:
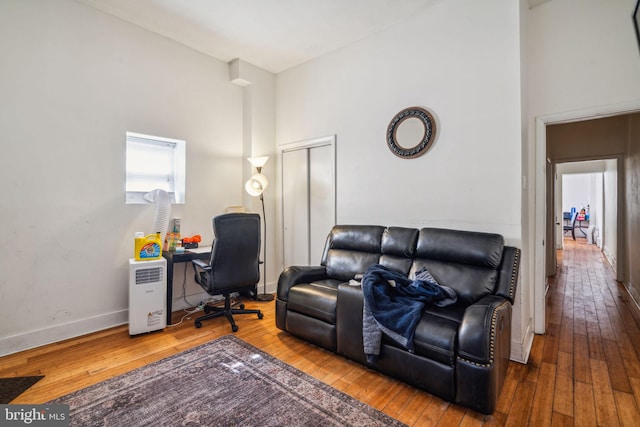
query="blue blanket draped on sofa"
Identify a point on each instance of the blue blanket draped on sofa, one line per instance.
(393, 304)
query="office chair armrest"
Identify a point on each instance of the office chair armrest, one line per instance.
(201, 270)
(200, 264)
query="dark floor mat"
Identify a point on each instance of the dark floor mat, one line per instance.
(10, 388)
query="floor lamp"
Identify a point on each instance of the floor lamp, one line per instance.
(255, 186)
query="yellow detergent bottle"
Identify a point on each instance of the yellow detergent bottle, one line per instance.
(148, 247)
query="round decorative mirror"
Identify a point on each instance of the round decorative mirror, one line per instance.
(411, 132)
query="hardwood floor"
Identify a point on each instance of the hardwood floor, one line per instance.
(585, 371)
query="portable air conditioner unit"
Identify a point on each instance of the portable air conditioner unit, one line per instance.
(147, 295)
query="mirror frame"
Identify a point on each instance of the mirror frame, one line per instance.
(427, 120)
(636, 21)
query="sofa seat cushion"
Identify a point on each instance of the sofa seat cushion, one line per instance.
(317, 299)
(435, 338)
(454, 312)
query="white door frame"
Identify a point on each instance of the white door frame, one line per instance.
(540, 191)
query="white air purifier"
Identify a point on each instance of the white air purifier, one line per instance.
(147, 296)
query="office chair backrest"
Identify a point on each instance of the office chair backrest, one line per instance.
(235, 253)
(574, 216)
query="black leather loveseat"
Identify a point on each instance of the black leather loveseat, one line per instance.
(461, 352)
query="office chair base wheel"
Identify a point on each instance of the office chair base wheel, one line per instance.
(234, 328)
(241, 306)
(208, 309)
(198, 325)
(260, 315)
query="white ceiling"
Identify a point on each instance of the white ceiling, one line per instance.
(273, 34)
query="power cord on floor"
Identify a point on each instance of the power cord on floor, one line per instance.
(200, 306)
(188, 312)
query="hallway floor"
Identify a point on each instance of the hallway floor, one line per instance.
(586, 367)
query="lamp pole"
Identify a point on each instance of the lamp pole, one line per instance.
(264, 296)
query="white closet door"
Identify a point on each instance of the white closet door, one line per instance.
(321, 200)
(308, 199)
(295, 207)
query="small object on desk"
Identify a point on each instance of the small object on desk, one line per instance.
(172, 241)
(179, 249)
(200, 250)
(191, 242)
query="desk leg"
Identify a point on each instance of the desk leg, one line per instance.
(580, 228)
(169, 290)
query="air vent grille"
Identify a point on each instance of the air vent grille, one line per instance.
(148, 275)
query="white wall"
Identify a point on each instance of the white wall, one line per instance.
(576, 191)
(259, 135)
(444, 59)
(583, 53)
(610, 232)
(73, 80)
(466, 180)
(582, 59)
(598, 209)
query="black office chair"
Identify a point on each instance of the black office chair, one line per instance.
(233, 265)
(571, 226)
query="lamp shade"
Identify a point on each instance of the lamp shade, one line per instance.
(256, 184)
(258, 162)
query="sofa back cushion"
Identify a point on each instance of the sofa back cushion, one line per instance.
(351, 249)
(463, 260)
(466, 261)
(398, 248)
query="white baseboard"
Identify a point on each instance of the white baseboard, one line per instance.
(610, 257)
(520, 350)
(53, 334)
(630, 288)
(40, 337)
(272, 288)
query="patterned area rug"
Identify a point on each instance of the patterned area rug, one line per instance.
(10, 388)
(225, 382)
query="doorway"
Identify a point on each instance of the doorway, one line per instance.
(308, 199)
(585, 207)
(543, 215)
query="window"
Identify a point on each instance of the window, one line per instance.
(154, 162)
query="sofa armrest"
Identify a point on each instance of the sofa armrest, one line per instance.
(482, 325)
(509, 271)
(298, 274)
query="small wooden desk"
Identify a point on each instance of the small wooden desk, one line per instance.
(172, 258)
